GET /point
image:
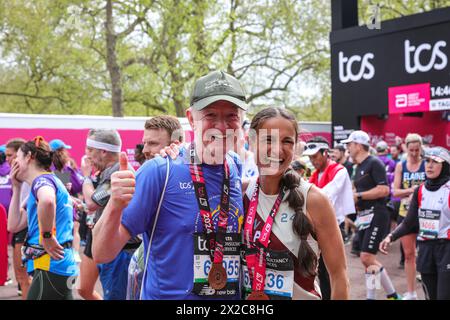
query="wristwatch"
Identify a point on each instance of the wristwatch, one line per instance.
(359, 196)
(46, 235)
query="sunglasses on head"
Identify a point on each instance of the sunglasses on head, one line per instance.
(316, 145)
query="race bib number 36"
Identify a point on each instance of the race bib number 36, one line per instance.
(202, 266)
(279, 282)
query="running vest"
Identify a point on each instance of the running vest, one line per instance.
(434, 213)
(327, 176)
(409, 179)
(282, 240)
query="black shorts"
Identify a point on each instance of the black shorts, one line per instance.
(370, 238)
(19, 237)
(88, 247)
(433, 256)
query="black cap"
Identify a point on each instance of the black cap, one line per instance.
(216, 86)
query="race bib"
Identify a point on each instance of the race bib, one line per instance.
(364, 219)
(429, 223)
(404, 206)
(279, 284)
(202, 266)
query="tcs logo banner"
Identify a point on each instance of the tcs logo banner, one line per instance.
(423, 57)
(414, 57)
(366, 69)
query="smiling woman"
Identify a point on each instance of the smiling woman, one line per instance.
(289, 243)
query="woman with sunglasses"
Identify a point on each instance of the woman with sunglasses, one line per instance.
(48, 247)
(429, 217)
(288, 221)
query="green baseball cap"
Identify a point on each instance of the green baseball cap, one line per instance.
(215, 86)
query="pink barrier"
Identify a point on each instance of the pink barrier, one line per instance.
(77, 139)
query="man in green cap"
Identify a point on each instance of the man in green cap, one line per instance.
(189, 209)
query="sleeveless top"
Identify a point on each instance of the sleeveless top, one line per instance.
(282, 237)
(434, 213)
(410, 179)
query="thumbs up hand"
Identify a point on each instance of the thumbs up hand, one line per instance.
(123, 184)
(123, 161)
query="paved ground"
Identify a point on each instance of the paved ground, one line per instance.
(355, 273)
(9, 292)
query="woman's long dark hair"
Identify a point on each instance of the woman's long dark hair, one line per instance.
(302, 226)
(40, 151)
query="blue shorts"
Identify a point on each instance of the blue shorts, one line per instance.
(114, 276)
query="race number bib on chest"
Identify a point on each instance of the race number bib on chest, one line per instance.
(364, 219)
(279, 282)
(203, 264)
(429, 223)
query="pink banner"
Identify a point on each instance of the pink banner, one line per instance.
(433, 129)
(76, 138)
(412, 98)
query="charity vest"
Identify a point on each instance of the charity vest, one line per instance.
(434, 213)
(327, 176)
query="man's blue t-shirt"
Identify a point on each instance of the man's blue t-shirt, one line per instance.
(170, 273)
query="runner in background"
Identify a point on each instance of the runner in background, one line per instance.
(73, 181)
(301, 168)
(335, 182)
(103, 148)
(409, 174)
(383, 154)
(338, 154)
(429, 216)
(159, 132)
(371, 190)
(5, 181)
(395, 153)
(139, 155)
(17, 221)
(249, 169)
(48, 246)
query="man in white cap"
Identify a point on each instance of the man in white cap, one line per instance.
(335, 182)
(371, 190)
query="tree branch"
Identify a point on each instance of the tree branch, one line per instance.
(29, 96)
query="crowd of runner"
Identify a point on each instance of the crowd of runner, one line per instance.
(243, 211)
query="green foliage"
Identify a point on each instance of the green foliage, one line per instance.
(53, 53)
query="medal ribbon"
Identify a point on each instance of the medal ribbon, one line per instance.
(256, 259)
(215, 244)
